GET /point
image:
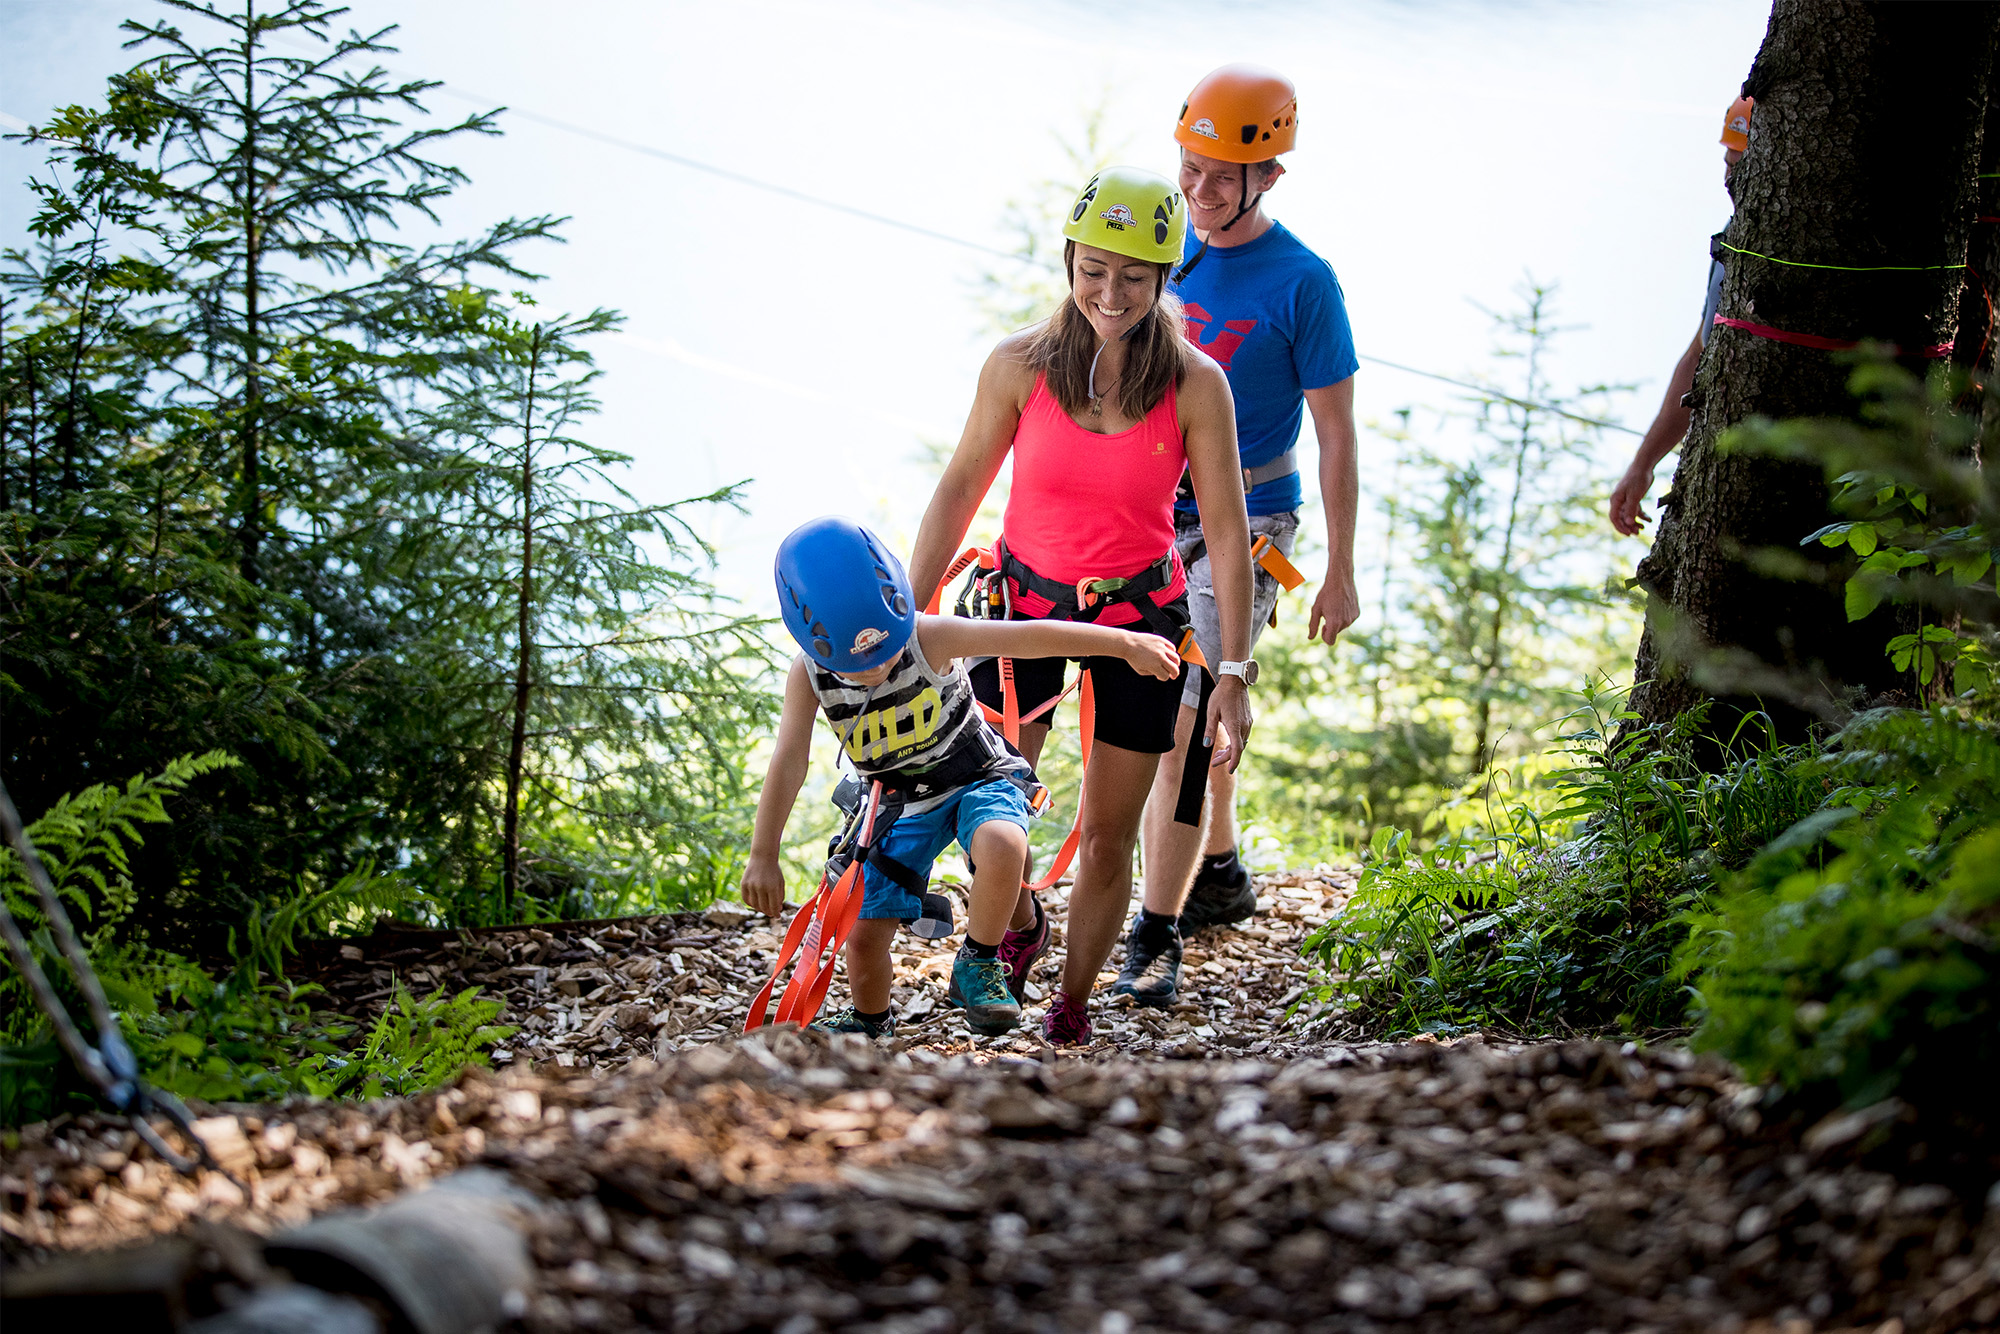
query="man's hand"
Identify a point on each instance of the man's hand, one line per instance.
(1229, 712)
(764, 886)
(1336, 606)
(1629, 495)
(1150, 655)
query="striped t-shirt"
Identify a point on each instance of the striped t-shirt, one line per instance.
(916, 722)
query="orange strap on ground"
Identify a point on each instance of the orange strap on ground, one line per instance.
(1265, 552)
(818, 931)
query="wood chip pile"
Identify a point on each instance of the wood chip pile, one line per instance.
(792, 1183)
(594, 995)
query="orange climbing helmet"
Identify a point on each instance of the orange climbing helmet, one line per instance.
(1736, 125)
(1240, 113)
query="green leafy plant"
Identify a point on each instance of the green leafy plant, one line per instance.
(413, 1046)
(1876, 969)
(251, 1034)
(1568, 918)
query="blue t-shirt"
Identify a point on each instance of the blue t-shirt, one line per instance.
(1271, 314)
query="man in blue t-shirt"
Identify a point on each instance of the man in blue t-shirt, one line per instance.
(1271, 313)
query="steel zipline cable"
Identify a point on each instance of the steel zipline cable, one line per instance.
(883, 220)
(772, 187)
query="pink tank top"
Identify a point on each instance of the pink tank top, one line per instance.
(1090, 506)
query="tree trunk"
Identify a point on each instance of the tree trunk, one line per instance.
(249, 533)
(525, 638)
(1862, 153)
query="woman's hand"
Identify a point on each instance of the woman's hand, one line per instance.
(1150, 655)
(1229, 710)
(764, 886)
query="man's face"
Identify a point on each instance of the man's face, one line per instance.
(1730, 157)
(1214, 189)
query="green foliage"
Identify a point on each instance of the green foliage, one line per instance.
(1920, 517)
(1856, 956)
(415, 1045)
(251, 1035)
(1567, 920)
(1874, 970)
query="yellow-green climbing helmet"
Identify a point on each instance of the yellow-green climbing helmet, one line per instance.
(1130, 212)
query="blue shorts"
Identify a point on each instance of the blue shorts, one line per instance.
(916, 841)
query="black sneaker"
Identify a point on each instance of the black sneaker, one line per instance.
(1220, 897)
(1152, 970)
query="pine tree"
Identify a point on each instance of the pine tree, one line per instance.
(605, 691)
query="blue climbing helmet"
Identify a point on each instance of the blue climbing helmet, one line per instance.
(844, 595)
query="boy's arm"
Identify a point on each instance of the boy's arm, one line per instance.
(763, 879)
(948, 637)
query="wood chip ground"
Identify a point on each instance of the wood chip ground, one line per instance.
(1210, 1169)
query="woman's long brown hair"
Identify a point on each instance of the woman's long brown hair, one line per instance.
(1156, 350)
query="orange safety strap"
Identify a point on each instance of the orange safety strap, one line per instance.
(820, 927)
(958, 567)
(1265, 552)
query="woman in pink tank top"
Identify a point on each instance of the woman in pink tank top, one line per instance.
(1102, 408)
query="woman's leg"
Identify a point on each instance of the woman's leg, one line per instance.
(1115, 791)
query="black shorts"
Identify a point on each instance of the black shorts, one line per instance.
(1134, 711)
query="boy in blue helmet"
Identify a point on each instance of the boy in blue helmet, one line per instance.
(897, 696)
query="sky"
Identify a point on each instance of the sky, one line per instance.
(1448, 149)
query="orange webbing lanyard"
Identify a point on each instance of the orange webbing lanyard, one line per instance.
(1265, 553)
(818, 931)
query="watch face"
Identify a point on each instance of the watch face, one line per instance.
(1250, 672)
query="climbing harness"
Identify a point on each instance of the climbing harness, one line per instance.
(110, 1065)
(820, 927)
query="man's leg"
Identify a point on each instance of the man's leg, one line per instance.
(1171, 849)
(1220, 838)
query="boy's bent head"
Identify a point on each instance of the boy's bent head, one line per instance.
(844, 596)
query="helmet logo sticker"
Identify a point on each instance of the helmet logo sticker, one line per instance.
(1740, 124)
(1119, 216)
(868, 638)
(1205, 128)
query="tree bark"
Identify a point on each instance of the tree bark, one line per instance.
(1863, 152)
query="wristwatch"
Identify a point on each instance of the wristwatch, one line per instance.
(1246, 669)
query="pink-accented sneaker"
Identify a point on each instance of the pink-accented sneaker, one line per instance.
(1067, 1023)
(1020, 950)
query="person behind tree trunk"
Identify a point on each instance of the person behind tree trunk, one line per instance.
(894, 692)
(1271, 312)
(1671, 423)
(1103, 406)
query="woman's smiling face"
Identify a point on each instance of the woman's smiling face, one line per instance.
(1113, 291)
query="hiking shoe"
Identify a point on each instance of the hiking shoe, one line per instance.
(848, 1020)
(1152, 970)
(1021, 950)
(1067, 1023)
(1219, 900)
(979, 987)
